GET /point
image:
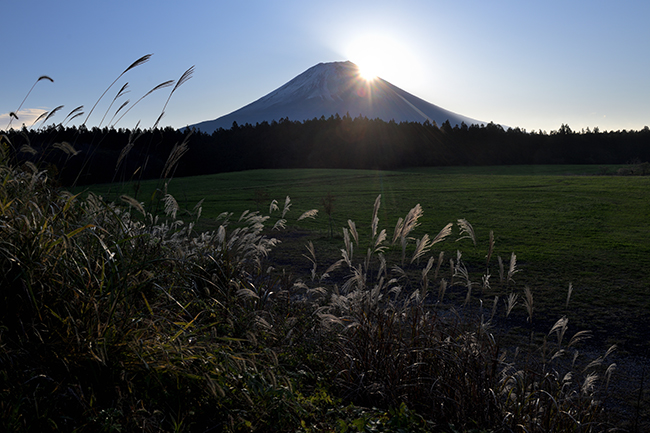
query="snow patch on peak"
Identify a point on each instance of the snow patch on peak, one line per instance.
(326, 81)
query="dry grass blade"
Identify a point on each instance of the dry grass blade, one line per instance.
(140, 61)
(486, 282)
(14, 114)
(529, 303)
(349, 247)
(382, 266)
(247, 293)
(273, 206)
(79, 114)
(611, 349)
(331, 269)
(175, 156)
(74, 113)
(425, 275)
(442, 290)
(171, 206)
(490, 249)
(578, 337)
(468, 296)
(3, 137)
(126, 149)
(39, 118)
(66, 147)
(378, 247)
(589, 383)
(404, 227)
(198, 209)
(133, 131)
(560, 325)
(466, 231)
(443, 234)
(608, 374)
(411, 220)
(560, 328)
(133, 202)
(184, 78)
(353, 231)
(568, 295)
(501, 270)
(312, 252)
(510, 303)
(375, 218)
(157, 122)
(124, 104)
(308, 214)
(287, 206)
(123, 153)
(441, 257)
(398, 230)
(422, 246)
(26, 148)
(311, 258)
(512, 269)
(121, 92)
(158, 87)
(495, 305)
(31, 166)
(280, 224)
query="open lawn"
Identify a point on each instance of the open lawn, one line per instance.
(566, 225)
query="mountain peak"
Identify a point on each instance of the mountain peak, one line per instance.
(333, 88)
(325, 81)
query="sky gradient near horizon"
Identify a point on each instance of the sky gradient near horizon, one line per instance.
(534, 65)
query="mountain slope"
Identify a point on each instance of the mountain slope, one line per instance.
(330, 88)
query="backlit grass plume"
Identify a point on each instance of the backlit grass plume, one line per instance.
(142, 60)
(14, 114)
(183, 79)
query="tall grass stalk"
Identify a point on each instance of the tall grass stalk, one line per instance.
(14, 114)
(142, 60)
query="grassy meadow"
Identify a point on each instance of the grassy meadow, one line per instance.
(567, 225)
(140, 308)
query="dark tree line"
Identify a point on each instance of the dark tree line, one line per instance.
(334, 142)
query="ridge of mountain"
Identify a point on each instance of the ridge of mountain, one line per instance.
(327, 89)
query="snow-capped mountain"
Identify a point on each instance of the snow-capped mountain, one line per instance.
(330, 88)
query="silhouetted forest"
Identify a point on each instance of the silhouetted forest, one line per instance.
(334, 142)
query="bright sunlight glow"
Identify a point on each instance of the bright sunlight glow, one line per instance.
(383, 57)
(367, 72)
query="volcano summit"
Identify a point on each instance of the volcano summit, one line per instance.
(334, 88)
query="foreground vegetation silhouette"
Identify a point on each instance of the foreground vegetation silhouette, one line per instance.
(115, 318)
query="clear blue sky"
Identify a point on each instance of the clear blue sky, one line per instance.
(521, 63)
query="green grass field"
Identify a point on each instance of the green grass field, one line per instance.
(564, 223)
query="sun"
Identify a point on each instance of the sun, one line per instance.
(367, 71)
(371, 54)
(380, 56)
